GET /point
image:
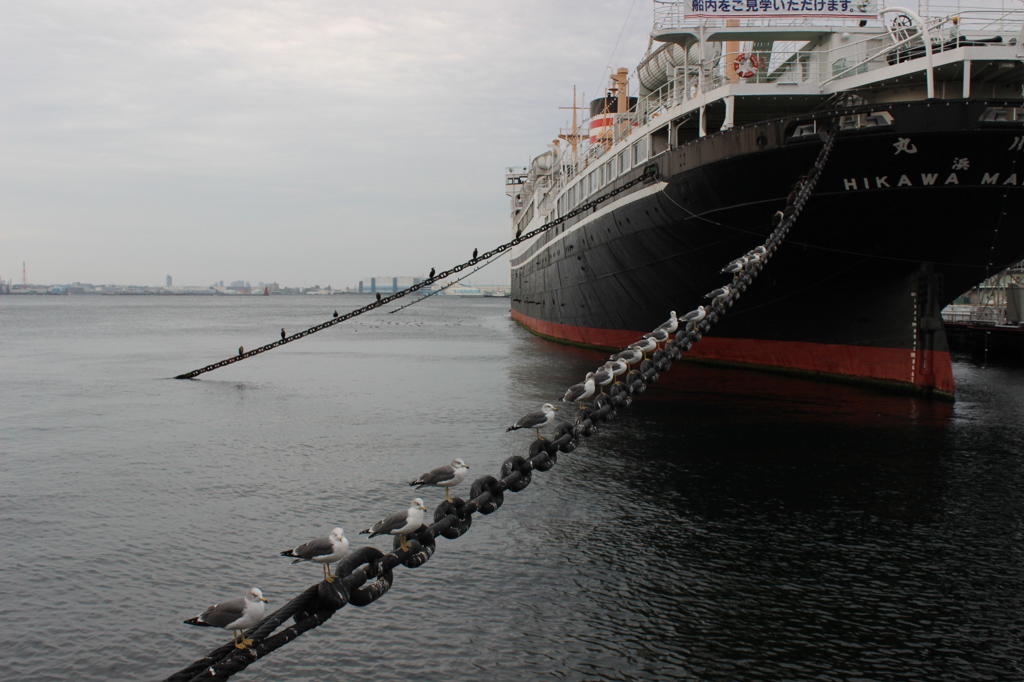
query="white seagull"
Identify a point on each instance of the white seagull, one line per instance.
(577, 393)
(604, 376)
(322, 550)
(672, 324)
(536, 420)
(400, 523)
(646, 345)
(619, 367)
(448, 476)
(630, 356)
(237, 615)
(694, 317)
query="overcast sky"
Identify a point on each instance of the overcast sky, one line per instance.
(297, 141)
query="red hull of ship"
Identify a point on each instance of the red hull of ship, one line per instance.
(921, 371)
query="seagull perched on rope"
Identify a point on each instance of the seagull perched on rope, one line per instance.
(646, 344)
(283, 335)
(630, 356)
(237, 615)
(323, 551)
(660, 336)
(536, 420)
(577, 393)
(619, 367)
(671, 325)
(694, 317)
(604, 376)
(400, 523)
(445, 477)
(718, 294)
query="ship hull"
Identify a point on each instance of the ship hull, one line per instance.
(903, 219)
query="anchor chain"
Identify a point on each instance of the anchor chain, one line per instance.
(650, 173)
(353, 574)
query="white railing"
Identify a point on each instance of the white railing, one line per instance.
(786, 66)
(994, 15)
(973, 314)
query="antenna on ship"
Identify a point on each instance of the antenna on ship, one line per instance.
(573, 137)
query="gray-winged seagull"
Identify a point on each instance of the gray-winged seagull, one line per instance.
(323, 550)
(400, 523)
(536, 420)
(448, 476)
(237, 615)
(580, 392)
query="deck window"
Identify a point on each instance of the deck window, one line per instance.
(639, 151)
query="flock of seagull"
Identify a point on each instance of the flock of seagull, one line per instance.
(244, 612)
(594, 383)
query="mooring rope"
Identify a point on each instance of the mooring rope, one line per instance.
(319, 602)
(446, 286)
(650, 173)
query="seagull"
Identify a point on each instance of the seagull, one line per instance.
(718, 294)
(335, 313)
(238, 614)
(322, 550)
(695, 316)
(672, 324)
(241, 351)
(445, 477)
(378, 297)
(400, 523)
(283, 335)
(646, 344)
(536, 420)
(580, 392)
(604, 376)
(474, 253)
(431, 273)
(733, 268)
(777, 219)
(630, 356)
(619, 367)
(660, 335)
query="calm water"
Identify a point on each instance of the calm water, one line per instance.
(731, 526)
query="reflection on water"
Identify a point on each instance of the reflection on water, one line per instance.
(731, 525)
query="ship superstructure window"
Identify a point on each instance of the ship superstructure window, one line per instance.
(659, 141)
(639, 151)
(624, 160)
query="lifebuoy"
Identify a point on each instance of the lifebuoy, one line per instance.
(745, 65)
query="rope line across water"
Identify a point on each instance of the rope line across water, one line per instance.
(650, 173)
(354, 572)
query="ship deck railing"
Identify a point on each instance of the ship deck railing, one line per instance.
(994, 15)
(788, 64)
(973, 314)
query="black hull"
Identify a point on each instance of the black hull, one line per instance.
(904, 218)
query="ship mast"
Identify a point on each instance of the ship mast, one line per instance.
(573, 136)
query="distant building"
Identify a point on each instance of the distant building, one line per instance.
(387, 285)
(169, 281)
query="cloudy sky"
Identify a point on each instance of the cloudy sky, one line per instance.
(294, 141)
